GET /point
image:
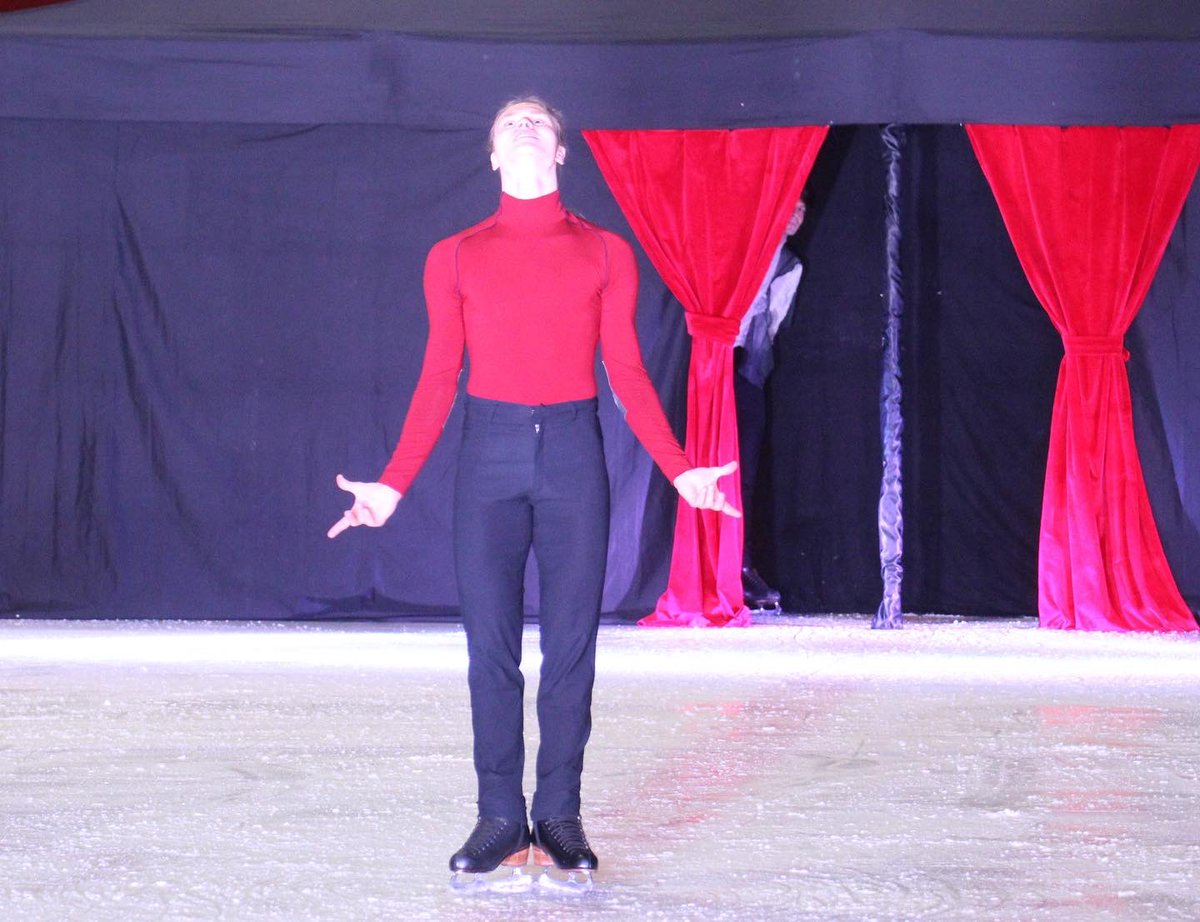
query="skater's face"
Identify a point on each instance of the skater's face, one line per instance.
(526, 135)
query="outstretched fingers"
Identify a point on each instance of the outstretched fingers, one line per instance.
(340, 525)
(715, 498)
(350, 517)
(727, 468)
(729, 510)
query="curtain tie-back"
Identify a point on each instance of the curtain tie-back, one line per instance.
(719, 329)
(1096, 345)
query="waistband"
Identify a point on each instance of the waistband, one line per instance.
(503, 411)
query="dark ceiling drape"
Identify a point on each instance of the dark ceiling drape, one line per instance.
(709, 208)
(1090, 211)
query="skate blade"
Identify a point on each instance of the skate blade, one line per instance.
(765, 608)
(504, 879)
(560, 881)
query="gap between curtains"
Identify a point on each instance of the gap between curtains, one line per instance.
(710, 209)
(1090, 211)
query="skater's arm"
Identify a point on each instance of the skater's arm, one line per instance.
(622, 357)
(440, 370)
(375, 502)
(635, 392)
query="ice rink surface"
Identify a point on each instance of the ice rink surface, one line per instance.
(804, 768)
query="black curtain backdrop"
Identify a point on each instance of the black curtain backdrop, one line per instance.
(202, 324)
(816, 536)
(980, 360)
(1164, 344)
(212, 223)
(979, 363)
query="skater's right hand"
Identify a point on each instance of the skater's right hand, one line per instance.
(374, 504)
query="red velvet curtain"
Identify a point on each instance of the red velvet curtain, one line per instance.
(1090, 211)
(10, 6)
(710, 209)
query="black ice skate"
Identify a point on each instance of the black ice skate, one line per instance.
(561, 849)
(494, 843)
(759, 596)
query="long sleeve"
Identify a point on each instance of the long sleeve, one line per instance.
(440, 370)
(622, 359)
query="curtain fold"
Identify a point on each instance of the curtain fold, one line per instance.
(710, 209)
(1090, 211)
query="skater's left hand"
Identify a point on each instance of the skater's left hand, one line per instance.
(698, 487)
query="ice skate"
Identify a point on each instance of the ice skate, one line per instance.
(759, 596)
(561, 849)
(493, 858)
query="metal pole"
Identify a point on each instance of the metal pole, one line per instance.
(891, 515)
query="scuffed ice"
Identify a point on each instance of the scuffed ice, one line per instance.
(801, 769)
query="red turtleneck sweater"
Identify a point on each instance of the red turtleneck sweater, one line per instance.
(529, 293)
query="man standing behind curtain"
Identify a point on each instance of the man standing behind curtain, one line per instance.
(753, 361)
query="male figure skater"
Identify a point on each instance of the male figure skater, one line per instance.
(530, 292)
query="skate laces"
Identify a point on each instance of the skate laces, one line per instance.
(487, 832)
(567, 833)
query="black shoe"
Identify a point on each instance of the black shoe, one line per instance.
(561, 840)
(494, 841)
(759, 596)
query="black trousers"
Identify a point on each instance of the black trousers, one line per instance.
(530, 477)
(751, 403)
